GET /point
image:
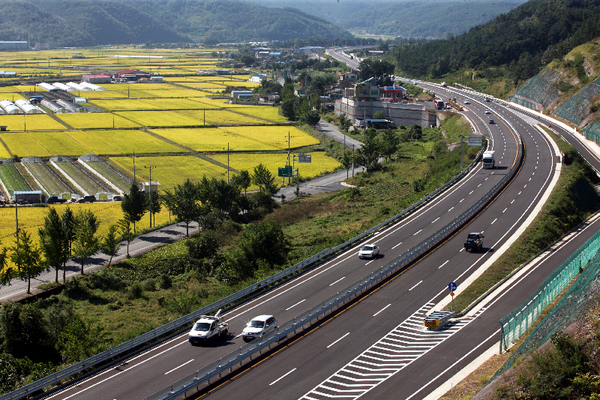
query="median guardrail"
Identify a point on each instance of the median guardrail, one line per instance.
(226, 364)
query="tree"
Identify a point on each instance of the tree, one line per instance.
(368, 155)
(346, 162)
(378, 69)
(26, 257)
(110, 244)
(68, 222)
(344, 123)
(265, 181)
(126, 232)
(183, 202)
(80, 340)
(265, 241)
(204, 249)
(389, 143)
(53, 242)
(86, 242)
(134, 204)
(243, 180)
(154, 206)
(6, 273)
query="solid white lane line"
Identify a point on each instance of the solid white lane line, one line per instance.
(342, 278)
(415, 286)
(176, 368)
(280, 378)
(338, 340)
(381, 310)
(446, 262)
(300, 302)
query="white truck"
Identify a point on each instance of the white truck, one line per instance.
(488, 159)
(207, 328)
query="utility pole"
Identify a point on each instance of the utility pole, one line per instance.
(133, 157)
(352, 161)
(227, 162)
(150, 168)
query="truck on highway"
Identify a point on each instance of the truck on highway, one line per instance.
(439, 104)
(474, 241)
(488, 159)
(208, 328)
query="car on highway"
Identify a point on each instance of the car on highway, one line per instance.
(487, 111)
(368, 251)
(492, 121)
(259, 326)
(208, 328)
(467, 102)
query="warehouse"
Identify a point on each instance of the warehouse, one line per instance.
(13, 45)
(101, 78)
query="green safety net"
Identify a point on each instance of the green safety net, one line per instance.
(592, 131)
(570, 308)
(539, 90)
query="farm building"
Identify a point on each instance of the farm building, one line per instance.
(129, 75)
(28, 196)
(156, 78)
(153, 186)
(8, 74)
(242, 94)
(14, 45)
(101, 78)
(258, 78)
(27, 107)
(47, 86)
(91, 86)
(72, 107)
(9, 107)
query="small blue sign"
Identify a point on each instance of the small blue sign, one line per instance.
(452, 286)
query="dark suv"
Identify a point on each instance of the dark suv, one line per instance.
(90, 198)
(55, 199)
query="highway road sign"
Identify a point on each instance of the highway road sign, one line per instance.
(452, 286)
(286, 171)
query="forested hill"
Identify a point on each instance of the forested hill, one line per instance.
(524, 40)
(423, 19)
(99, 22)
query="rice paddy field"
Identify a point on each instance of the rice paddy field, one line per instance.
(182, 126)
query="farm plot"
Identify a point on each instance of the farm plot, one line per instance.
(11, 179)
(160, 118)
(276, 136)
(84, 182)
(212, 139)
(224, 117)
(59, 143)
(51, 184)
(31, 122)
(151, 104)
(131, 140)
(320, 163)
(24, 144)
(264, 112)
(171, 170)
(220, 103)
(203, 85)
(96, 120)
(109, 174)
(4, 153)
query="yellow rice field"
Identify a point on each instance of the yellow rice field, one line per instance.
(183, 118)
(171, 170)
(276, 136)
(3, 151)
(133, 140)
(263, 112)
(151, 104)
(96, 120)
(212, 139)
(319, 165)
(30, 122)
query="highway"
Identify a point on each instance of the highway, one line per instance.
(379, 346)
(171, 361)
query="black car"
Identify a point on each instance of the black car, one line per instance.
(90, 198)
(55, 199)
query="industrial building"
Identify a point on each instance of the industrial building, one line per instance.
(100, 78)
(14, 45)
(360, 104)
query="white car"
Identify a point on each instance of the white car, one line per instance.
(258, 327)
(467, 102)
(487, 111)
(368, 251)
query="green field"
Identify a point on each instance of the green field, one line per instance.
(110, 175)
(11, 178)
(87, 184)
(51, 185)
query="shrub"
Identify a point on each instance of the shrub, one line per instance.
(164, 282)
(136, 291)
(149, 285)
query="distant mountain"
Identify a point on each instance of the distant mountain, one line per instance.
(522, 41)
(402, 18)
(102, 22)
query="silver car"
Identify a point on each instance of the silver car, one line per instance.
(368, 251)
